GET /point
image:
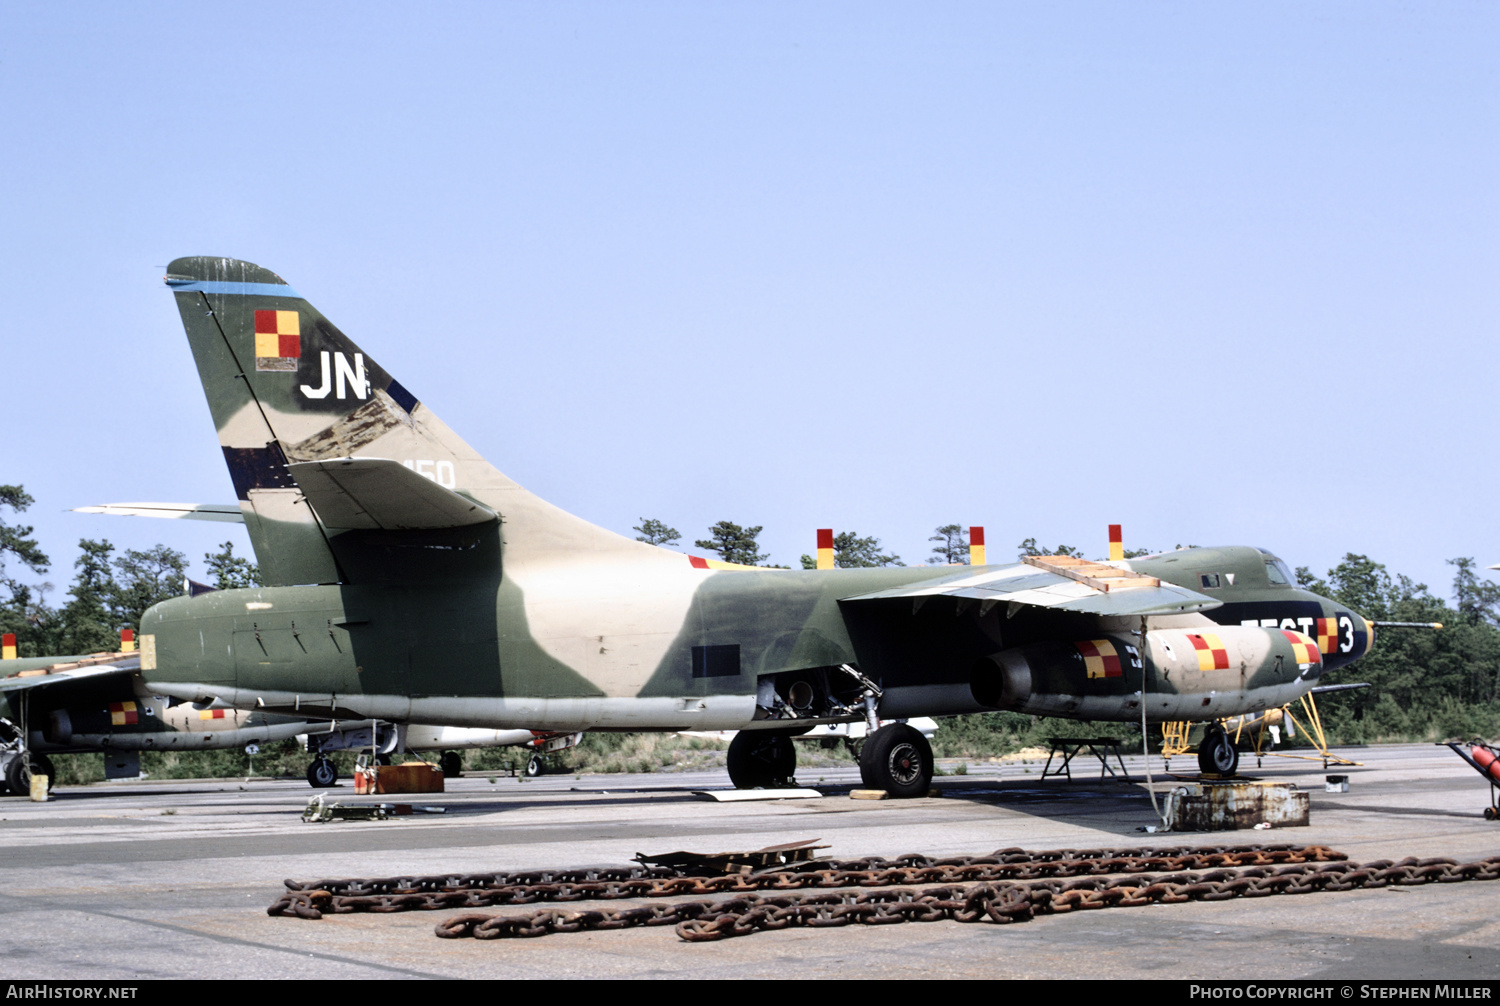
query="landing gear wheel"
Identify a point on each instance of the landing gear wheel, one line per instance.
(451, 764)
(18, 775)
(897, 759)
(1217, 755)
(322, 773)
(1490, 813)
(534, 766)
(761, 761)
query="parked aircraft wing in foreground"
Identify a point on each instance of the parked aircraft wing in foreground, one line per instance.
(98, 703)
(473, 602)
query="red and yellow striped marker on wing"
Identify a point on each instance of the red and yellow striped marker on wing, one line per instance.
(211, 714)
(976, 546)
(127, 640)
(1212, 653)
(1116, 544)
(825, 548)
(1304, 650)
(1100, 659)
(8, 646)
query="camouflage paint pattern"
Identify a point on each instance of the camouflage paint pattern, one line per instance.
(533, 618)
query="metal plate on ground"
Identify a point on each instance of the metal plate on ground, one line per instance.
(750, 795)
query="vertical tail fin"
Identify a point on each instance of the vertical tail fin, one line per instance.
(285, 385)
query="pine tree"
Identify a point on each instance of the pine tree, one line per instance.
(1030, 547)
(654, 532)
(734, 543)
(23, 608)
(850, 551)
(87, 624)
(145, 578)
(229, 570)
(953, 546)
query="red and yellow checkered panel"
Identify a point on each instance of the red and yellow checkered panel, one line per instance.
(1328, 635)
(1304, 648)
(278, 340)
(123, 714)
(1212, 654)
(1100, 660)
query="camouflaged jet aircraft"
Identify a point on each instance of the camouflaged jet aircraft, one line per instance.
(409, 580)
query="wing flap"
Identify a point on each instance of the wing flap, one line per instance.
(378, 493)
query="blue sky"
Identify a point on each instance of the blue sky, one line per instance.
(1222, 273)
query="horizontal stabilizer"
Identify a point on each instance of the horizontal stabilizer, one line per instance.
(69, 669)
(1036, 585)
(181, 511)
(377, 493)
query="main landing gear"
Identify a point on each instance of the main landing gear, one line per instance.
(897, 759)
(761, 761)
(22, 766)
(1217, 755)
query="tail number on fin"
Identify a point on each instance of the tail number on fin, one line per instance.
(344, 377)
(440, 472)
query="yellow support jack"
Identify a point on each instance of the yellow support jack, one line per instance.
(1319, 741)
(1174, 741)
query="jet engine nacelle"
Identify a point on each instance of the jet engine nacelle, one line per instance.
(1188, 674)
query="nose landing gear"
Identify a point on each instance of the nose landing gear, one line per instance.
(322, 773)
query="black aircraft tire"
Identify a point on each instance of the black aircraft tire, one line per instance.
(897, 759)
(322, 773)
(1217, 755)
(534, 766)
(760, 761)
(18, 776)
(866, 766)
(451, 764)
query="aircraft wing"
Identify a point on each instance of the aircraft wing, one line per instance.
(377, 493)
(181, 511)
(1060, 582)
(70, 669)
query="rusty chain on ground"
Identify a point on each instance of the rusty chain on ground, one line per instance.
(310, 900)
(703, 921)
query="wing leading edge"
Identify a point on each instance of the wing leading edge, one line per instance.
(36, 673)
(1061, 583)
